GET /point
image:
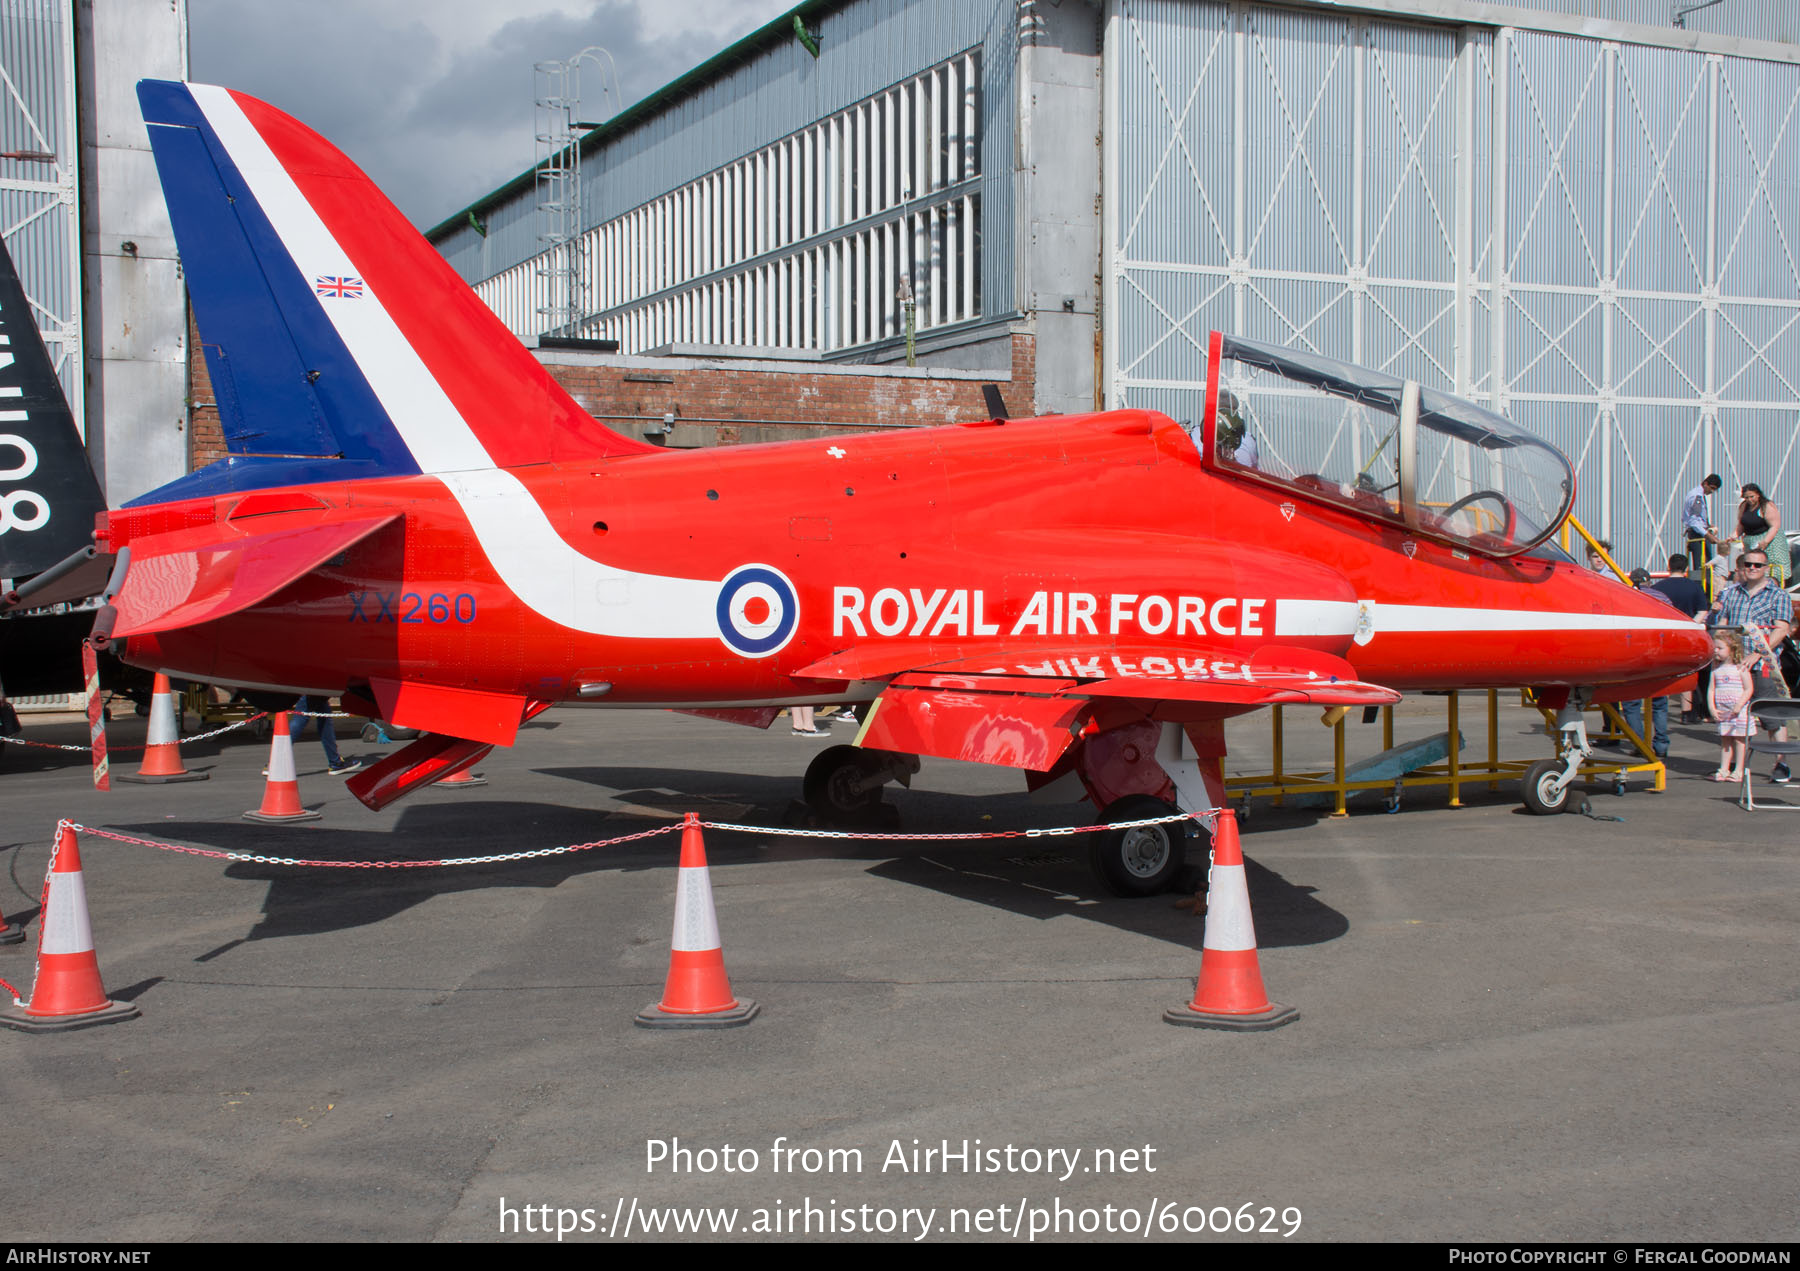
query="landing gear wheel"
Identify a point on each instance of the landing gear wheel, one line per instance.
(1542, 798)
(842, 781)
(1144, 859)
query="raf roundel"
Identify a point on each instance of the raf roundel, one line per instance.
(758, 610)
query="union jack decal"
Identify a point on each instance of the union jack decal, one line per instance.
(341, 288)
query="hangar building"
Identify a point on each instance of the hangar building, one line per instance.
(1585, 213)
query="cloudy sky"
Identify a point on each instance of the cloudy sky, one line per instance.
(434, 97)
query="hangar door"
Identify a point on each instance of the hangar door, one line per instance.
(1284, 176)
(1330, 183)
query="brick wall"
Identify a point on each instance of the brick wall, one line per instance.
(717, 402)
(206, 439)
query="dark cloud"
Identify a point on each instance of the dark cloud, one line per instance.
(436, 118)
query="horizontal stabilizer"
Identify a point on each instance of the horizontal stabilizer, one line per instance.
(187, 577)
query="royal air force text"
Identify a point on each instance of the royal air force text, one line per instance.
(891, 611)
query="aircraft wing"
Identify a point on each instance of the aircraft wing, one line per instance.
(1024, 709)
(185, 577)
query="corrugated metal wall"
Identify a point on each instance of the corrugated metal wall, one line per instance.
(780, 94)
(1298, 177)
(37, 198)
(1744, 19)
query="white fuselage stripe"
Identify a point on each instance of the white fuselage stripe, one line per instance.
(567, 587)
(1338, 618)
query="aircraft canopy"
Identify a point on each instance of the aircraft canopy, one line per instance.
(1384, 447)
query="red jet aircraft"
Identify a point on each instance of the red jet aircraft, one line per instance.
(417, 516)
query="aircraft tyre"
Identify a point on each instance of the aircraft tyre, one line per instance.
(843, 781)
(1542, 798)
(1144, 859)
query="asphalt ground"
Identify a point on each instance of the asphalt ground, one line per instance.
(1511, 1028)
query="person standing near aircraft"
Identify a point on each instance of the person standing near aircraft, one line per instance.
(1759, 525)
(1766, 616)
(1633, 710)
(1728, 697)
(335, 763)
(1696, 520)
(1689, 597)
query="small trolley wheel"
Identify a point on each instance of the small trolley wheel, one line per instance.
(1143, 859)
(842, 781)
(1542, 798)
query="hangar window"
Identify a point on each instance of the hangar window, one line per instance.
(852, 230)
(1383, 447)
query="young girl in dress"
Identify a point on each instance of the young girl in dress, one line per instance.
(1728, 694)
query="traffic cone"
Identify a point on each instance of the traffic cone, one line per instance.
(463, 779)
(281, 794)
(68, 993)
(697, 993)
(1229, 993)
(162, 754)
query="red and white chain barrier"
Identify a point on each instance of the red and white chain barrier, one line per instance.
(955, 836)
(51, 745)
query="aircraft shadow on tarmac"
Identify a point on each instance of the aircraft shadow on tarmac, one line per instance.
(1036, 877)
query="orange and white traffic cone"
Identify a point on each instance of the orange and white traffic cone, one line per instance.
(1229, 993)
(697, 993)
(68, 993)
(162, 755)
(281, 794)
(462, 779)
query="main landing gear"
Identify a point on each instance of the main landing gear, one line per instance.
(844, 783)
(1140, 860)
(1143, 770)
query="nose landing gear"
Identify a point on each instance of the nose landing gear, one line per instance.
(1548, 781)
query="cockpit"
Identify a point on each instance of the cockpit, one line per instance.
(1383, 447)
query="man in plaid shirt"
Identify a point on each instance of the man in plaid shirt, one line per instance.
(1766, 614)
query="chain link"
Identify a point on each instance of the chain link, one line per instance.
(258, 859)
(534, 853)
(217, 732)
(962, 835)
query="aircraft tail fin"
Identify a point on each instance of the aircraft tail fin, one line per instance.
(48, 494)
(333, 331)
